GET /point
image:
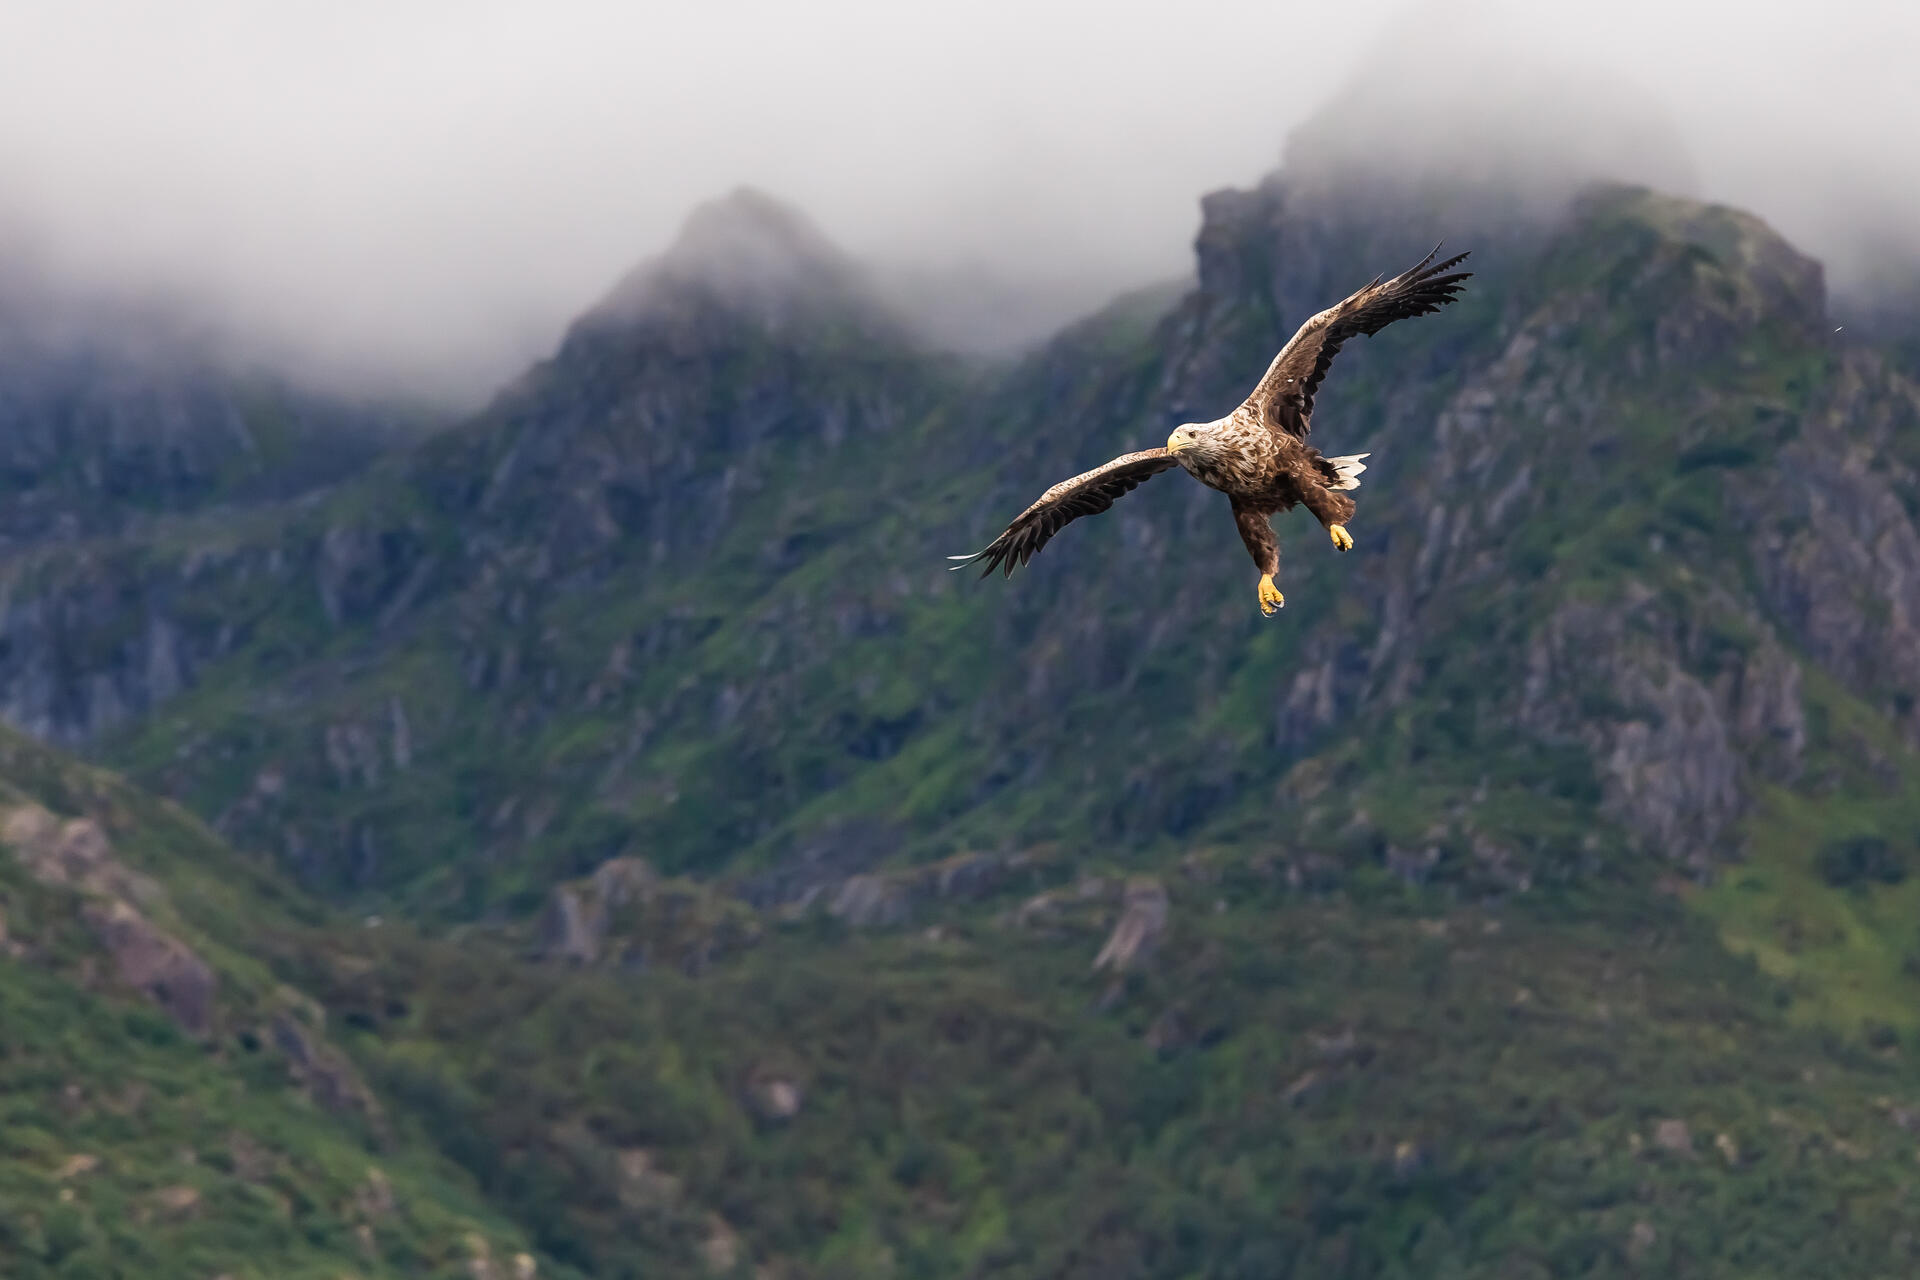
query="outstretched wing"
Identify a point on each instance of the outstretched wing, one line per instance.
(1084, 495)
(1284, 398)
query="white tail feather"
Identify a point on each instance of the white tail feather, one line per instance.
(1349, 469)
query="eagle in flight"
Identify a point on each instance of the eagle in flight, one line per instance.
(1257, 455)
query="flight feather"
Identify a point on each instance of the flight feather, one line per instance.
(1086, 494)
(1284, 399)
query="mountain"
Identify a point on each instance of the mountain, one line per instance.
(1530, 897)
(567, 493)
(678, 592)
(116, 410)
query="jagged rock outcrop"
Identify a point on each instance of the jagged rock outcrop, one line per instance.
(1681, 738)
(872, 902)
(75, 854)
(156, 963)
(326, 1073)
(574, 926)
(72, 852)
(629, 917)
(888, 899)
(1835, 543)
(1142, 925)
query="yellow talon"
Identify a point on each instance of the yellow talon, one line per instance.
(1341, 538)
(1270, 597)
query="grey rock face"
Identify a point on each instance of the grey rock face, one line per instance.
(156, 963)
(1142, 924)
(116, 422)
(574, 925)
(571, 929)
(75, 854)
(626, 916)
(871, 902)
(1678, 749)
(326, 1073)
(886, 900)
(1835, 541)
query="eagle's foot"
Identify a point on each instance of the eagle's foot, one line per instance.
(1341, 538)
(1270, 597)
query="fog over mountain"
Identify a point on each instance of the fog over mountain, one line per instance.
(420, 197)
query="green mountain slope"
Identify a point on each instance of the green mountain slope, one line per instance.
(1346, 1084)
(1059, 1069)
(170, 1108)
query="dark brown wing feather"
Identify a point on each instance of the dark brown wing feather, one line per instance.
(1087, 494)
(1284, 398)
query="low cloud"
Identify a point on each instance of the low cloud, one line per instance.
(421, 196)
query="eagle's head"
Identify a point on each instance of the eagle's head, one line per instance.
(1192, 441)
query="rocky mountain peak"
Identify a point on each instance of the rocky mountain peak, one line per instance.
(748, 234)
(752, 256)
(1763, 271)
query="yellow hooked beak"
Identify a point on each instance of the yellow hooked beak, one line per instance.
(1176, 442)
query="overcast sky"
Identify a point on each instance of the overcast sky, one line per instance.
(428, 191)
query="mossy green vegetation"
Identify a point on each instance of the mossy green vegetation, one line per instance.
(1366, 1084)
(1357, 1077)
(1823, 900)
(132, 1145)
(128, 1149)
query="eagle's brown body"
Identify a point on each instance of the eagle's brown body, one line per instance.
(1257, 455)
(1265, 473)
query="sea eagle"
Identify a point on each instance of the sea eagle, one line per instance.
(1257, 455)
